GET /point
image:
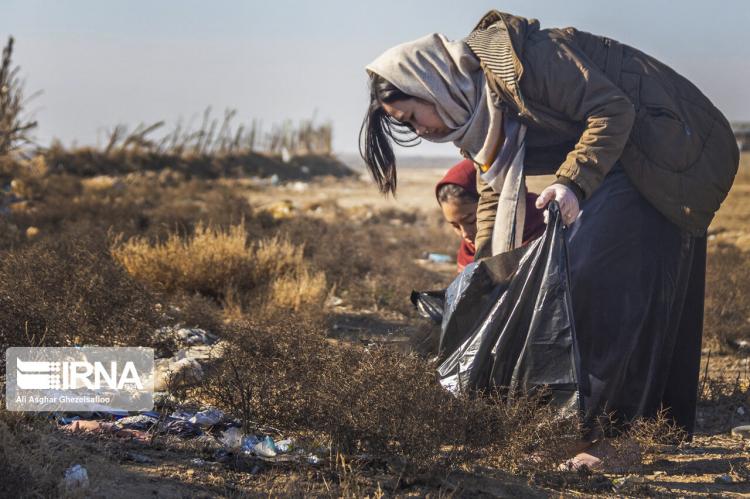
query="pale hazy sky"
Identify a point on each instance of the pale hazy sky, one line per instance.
(102, 62)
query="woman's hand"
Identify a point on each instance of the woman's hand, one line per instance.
(565, 197)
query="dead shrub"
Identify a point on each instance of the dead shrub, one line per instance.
(68, 291)
(377, 401)
(651, 434)
(724, 402)
(226, 265)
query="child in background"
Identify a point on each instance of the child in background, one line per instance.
(457, 196)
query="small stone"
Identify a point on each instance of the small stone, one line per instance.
(32, 232)
(741, 431)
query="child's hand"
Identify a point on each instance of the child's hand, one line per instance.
(565, 197)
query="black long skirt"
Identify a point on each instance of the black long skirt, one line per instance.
(637, 282)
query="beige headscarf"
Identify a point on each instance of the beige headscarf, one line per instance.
(447, 74)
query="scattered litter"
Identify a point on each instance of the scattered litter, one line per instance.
(231, 438)
(248, 442)
(741, 345)
(305, 169)
(76, 477)
(265, 448)
(182, 415)
(182, 428)
(741, 411)
(139, 422)
(64, 420)
(313, 459)
(198, 461)
(275, 179)
(222, 456)
(92, 426)
(741, 431)
(175, 372)
(285, 445)
(723, 479)
(209, 417)
(194, 336)
(439, 258)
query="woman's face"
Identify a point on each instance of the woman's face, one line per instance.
(462, 215)
(420, 114)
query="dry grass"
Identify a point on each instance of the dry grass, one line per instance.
(385, 404)
(226, 265)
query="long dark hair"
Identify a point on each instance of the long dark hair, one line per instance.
(377, 131)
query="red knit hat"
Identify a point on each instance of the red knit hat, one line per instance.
(463, 174)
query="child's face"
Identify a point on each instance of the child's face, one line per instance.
(462, 215)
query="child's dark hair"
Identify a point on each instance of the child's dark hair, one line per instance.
(454, 192)
(378, 129)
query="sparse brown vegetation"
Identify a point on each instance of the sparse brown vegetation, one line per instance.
(15, 127)
(378, 401)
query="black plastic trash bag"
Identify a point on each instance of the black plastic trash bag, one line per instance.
(507, 322)
(429, 304)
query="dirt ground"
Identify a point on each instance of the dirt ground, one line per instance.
(715, 463)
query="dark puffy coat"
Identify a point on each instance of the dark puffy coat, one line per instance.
(590, 101)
